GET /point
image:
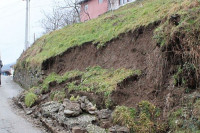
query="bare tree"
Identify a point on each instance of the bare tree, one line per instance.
(53, 20)
(74, 6)
(58, 18)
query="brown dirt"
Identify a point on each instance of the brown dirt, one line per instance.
(129, 50)
(133, 50)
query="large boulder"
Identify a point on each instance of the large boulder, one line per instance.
(71, 108)
(81, 121)
(50, 108)
(86, 105)
(104, 114)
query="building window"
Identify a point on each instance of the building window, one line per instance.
(86, 7)
(122, 2)
(100, 1)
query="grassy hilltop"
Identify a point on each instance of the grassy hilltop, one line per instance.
(104, 28)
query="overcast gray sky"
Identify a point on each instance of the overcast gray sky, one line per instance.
(12, 25)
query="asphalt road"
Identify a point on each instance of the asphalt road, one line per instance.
(10, 122)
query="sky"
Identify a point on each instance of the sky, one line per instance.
(12, 25)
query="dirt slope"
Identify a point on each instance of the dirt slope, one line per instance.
(166, 52)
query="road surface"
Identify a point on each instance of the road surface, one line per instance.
(10, 122)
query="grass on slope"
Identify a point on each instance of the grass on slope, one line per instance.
(97, 79)
(102, 29)
(93, 79)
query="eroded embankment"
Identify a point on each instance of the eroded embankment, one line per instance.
(164, 69)
(134, 50)
(130, 50)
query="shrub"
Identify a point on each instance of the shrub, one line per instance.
(186, 76)
(124, 116)
(149, 110)
(142, 120)
(175, 119)
(30, 99)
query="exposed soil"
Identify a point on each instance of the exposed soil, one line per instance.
(133, 50)
(130, 50)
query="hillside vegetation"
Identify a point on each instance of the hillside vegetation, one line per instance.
(103, 29)
(140, 63)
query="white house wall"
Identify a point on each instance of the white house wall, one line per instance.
(115, 4)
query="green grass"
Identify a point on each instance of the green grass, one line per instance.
(97, 79)
(186, 119)
(124, 116)
(188, 25)
(30, 99)
(58, 79)
(102, 29)
(140, 120)
(93, 79)
(73, 98)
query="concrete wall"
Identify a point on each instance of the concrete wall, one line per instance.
(94, 9)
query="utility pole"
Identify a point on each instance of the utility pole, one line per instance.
(1, 64)
(34, 37)
(27, 24)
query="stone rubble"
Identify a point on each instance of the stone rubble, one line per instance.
(79, 116)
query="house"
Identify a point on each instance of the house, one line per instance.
(93, 8)
(8, 70)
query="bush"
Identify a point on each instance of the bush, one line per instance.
(30, 99)
(142, 120)
(186, 76)
(149, 110)
(124, 116)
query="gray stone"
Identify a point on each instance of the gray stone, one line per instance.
(62, 108)
(104, 114)
(83, 106)
(69, 112)
(44, 97)
(119, 129)
(37, 91)
(86, 105)
(29, 112)
(81, 121)
(82, 99)
(77, 129)
(72, 108)
(95, 129)
(60, 117)
(49, 108)
(92, 112)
